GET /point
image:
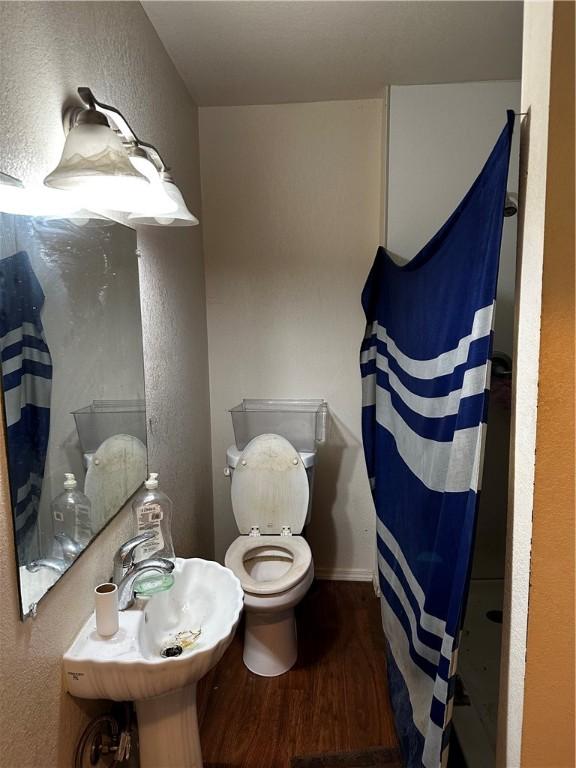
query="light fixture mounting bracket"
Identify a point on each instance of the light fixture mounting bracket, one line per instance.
(117, 121)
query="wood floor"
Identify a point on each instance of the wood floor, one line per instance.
(335, 697)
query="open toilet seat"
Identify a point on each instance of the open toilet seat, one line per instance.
(241, 550)
(270, 493)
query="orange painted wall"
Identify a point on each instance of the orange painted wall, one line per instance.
(548, 729)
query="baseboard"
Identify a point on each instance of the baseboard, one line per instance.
(343, 574)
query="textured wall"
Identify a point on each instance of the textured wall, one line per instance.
(292, 200)
(549, 692)
(47, 50)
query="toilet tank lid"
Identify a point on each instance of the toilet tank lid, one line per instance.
(233, 454)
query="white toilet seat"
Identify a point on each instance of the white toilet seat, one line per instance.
(296, 546)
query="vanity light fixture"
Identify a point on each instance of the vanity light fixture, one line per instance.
(179, 217)
(84, 218)
(157, 202)
(15, 198)
(110, 169)
(11, 193)
(95, 164)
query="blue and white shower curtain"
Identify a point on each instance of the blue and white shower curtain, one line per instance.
(26, 379)
(425, 364)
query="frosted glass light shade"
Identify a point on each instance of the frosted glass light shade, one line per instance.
(96, 167)
(157, 202)
(37, 200)
(12, 194)
(83, 218)
(180, 216)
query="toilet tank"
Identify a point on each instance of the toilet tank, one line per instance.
(308, 460)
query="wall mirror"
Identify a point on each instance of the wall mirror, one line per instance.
(73, 387)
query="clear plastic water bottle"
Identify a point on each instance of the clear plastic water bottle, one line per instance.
(72, 511)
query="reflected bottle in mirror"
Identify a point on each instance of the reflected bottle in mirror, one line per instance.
(71, 512)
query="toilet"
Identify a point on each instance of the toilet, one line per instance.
(270, 498)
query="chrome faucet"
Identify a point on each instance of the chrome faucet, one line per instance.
(69, 546)
(126, 584)
(124, 557)
(52, 563)
(126, 571)
(70, 551)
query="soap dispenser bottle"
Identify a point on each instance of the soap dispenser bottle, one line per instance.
(71, 511)
(153, 512)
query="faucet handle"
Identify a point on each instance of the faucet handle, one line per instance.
(124, 557)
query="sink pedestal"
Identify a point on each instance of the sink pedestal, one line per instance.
(168, 730)
(129, 666)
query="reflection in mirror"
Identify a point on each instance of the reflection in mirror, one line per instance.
(73, 386)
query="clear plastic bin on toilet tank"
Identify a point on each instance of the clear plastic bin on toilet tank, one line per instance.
(301, 422)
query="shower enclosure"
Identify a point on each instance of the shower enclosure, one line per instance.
(476, 698)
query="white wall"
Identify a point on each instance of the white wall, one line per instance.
(440, 137)
(46, 50)
(291, 211)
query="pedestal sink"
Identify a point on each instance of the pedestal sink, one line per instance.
(129, 666)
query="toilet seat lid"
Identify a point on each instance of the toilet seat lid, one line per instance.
(270, 487)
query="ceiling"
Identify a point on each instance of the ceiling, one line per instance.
(269, 52)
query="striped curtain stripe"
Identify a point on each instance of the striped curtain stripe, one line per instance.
(26, 383)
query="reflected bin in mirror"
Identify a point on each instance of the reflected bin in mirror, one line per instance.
(301, 422)
(105, 418)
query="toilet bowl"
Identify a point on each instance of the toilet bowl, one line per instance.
(273, 562)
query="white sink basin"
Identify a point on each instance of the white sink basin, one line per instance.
(129, 666)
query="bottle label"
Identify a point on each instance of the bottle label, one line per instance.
(149, 518)
(83, 524)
